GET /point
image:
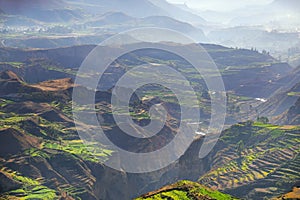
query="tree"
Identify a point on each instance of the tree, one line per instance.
(240, 147)
(264, 120)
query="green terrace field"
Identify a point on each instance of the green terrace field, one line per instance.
(30, 189)
(38, 140)
(257, 156)
(185, 190)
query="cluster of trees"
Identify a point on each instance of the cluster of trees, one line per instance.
(265, 52)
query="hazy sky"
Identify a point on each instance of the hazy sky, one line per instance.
(220, 4)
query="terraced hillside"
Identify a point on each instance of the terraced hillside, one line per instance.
(41, 114)
(41, 155)
(244, 71)
(255, 160)
(252, 159)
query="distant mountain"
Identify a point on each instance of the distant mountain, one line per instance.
(23, 6)
(138, 8)
(67, 10)
(135, 8)
(111, 18)
(118, 21)
(248, 36)
(99, 18)
(45, 11)
(179, 13)
(170, 23)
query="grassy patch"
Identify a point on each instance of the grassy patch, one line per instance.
(39, 192)
(294, 94)
(186, 190)
(4, 102)
(13, 120)
(269, 126)
(14, 64)
(175, 195)
(91, 152)
(33, 152)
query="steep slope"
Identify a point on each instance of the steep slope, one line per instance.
(255, 161)
(291, 116)
(13, 142)
(10, 84)
(278, 106)
(55, 85)
(26, 107)
(17, 90)
(9, 75)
